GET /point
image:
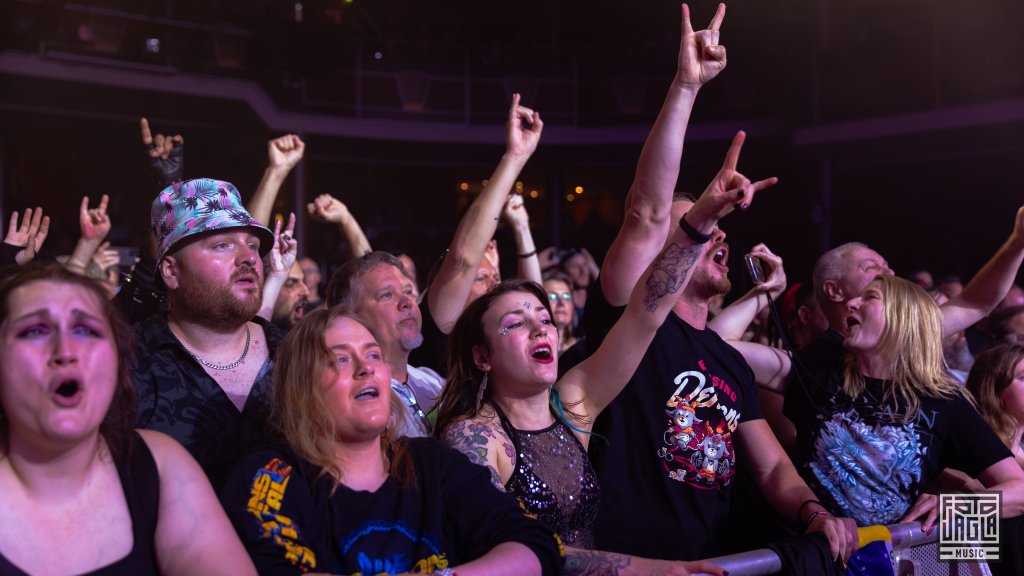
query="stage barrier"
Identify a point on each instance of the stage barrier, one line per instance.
(914, 553)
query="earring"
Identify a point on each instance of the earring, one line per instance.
(480, 394)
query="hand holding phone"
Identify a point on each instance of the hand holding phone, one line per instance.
(754, 269)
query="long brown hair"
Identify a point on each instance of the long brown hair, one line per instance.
(300, 412)
(911, 346)
(458, 399)
(993, 371)
(117, 427)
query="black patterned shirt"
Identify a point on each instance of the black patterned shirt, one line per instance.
(177, 397)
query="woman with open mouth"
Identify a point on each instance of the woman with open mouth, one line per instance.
(342, 494)
(877, 423)
(505, 407)
(77, 479)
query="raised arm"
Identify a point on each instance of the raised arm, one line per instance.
(165, 156)
(282, 155)
(106, 261)
(27, 240)
(989, 286)
(648, 204)
(95, 225)
(327, 208)
(598, 379)
(733, 320)
(515, 214)
(450, 289)
(279, 263)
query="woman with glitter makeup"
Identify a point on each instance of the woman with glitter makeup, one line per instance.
(504, 406)
(85, 493)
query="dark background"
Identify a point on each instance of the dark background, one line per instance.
(898, 124)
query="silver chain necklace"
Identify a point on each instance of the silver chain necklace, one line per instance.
(211, 365)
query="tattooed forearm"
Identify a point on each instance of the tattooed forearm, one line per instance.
(594, 562)
(471, 439)
(668, 273)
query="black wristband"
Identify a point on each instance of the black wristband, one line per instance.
(694, 234)
(800, 510)
(528, 254)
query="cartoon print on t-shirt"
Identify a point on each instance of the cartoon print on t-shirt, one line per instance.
(698, 448)
(681, 433)
(712, 460)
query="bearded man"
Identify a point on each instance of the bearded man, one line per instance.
(203, 370)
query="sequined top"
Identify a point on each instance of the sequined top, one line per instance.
(554, 480)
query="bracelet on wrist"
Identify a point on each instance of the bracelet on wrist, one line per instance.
(694, 234)
(800, 510)
(529, 254)
(815, 514)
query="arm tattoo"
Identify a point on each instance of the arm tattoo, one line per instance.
(594, 562)
(668, 273)
(470, 438)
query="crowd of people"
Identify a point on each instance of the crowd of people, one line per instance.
(223, 410)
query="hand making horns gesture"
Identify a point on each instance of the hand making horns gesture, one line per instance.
(701, 57)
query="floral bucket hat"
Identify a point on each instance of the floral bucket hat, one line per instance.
(185, 209)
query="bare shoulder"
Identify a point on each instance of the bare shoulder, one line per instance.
(484, 442)
(477, 434)
(171, 457)
(161, 445)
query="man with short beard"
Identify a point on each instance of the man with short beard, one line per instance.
(203, 370)
(689, 415)
(291, 302)
(376, 288)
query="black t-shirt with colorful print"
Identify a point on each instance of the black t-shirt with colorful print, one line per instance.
(668, 465)
(860, 455)
(291, 523)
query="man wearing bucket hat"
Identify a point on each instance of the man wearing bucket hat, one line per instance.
(203, 371)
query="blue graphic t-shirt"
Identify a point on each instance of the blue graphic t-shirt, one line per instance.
(859, 455)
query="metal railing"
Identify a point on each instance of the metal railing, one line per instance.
(914, 552)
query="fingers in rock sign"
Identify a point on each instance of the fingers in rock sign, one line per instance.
(701, 57)
(94, 222)
(286, 247)
(731, 189)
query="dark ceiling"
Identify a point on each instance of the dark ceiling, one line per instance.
(883, 119)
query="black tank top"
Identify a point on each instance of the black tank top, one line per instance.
(554, 480)
(140, 481)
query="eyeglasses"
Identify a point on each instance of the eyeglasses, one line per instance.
(554, 296)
